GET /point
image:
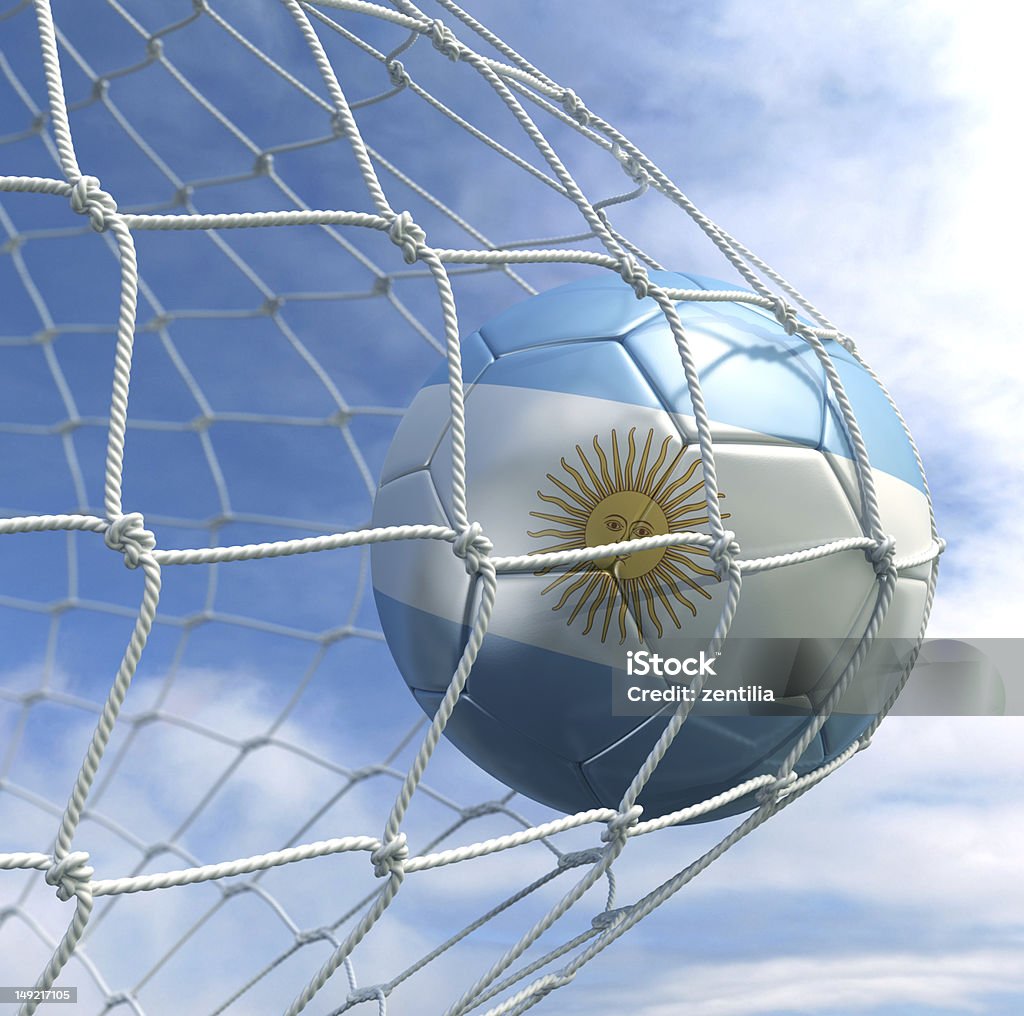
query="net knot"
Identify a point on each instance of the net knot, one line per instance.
(408, 235)
(776, 789)
(389, 858)
(311, 935)
(634, 274)
(480, 810)
(573, 106)
(619, 826)
(607, 918)
(444, 40)
(631, 165)
(372, 993)
(70, 874)
(88, 198)
(549, 983)
(473, 547)
(847, 343)
(881, 555)
(785, 314)
(724, 552)
(129, 536)
(398, 74)
(580, 857)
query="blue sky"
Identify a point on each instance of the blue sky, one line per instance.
(863, 149)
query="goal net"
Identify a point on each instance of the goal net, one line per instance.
(268, 222)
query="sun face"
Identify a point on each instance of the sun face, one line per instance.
(611, 502)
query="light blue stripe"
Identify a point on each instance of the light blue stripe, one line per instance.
(511, 722)
(753, 375)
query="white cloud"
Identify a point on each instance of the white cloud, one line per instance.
(885, 981)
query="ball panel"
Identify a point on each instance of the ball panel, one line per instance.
(525, 614)
(890, 650)
(578, 368)
(429, 414)
(709, 756)
(815, 599)
(602, 307)
(781, 498)
(780, 614)
(426, 648)
(511, 757)
(888, 448)
(903, 508)
(882, 668)
(423, 425)
(476, 357)
(416, 582)
(533, 689)
(744, 361)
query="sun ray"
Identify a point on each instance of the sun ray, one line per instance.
(585, 596)
(644, 582)
(584, 496)
(684, 549)
(685, 601)
(573, 545)
(683, 577)
(680, 499)
(613, 595)
(690, 523)
(623, 611)
(598, 600)
(574, 570)
(667, 473)
(660, 593)
(684, 524)
(603, 460)
(560, 519)
(569, 590)
(668, 494)
(679, 505)
(557, 534)
(693, 566)
(641, 470)
(669, 470)
(564, 505)
(630, 458)
(638, 616)
(616, 461)
(653, 471)
(594, 478)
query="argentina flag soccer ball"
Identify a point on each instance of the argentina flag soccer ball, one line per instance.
(581, 432)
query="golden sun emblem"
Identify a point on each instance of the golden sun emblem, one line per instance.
(618, 501)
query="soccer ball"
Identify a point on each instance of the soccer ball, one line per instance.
(580, 433)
